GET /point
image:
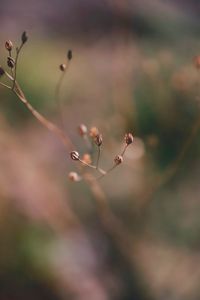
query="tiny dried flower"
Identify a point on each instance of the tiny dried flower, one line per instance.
(98, 140)
(8, 45)
(94, 132)
(2, 72)
(24, 37)
(87, 158)
(73, 176)
(118, 159)
(128, 138)
(74, 155)
(82, 129)
(10, 62)
(69, 54)
(62, 67)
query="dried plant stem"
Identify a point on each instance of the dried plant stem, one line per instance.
(5, 85)
(57, 94)
(124, 150)
(45, 122)
(16, 61)
(98, 157)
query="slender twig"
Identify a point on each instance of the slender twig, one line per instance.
(16, 61)
(58, 91)
(5, 85)
(98, 157)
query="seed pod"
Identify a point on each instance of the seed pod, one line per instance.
(73, 176)
(94, 132)
(98, 140)
(74, 155)
(128, 138)
(8, 45)
(69, 54)
(62, 67)
(2, 72)
(24, 37)
(10, 62)
(82, 130)
(118, 159)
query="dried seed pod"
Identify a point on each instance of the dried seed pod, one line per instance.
(24, 37)
(94, 132)
(10, 62)
(69, 54)
(98, 140)
(87, 158)
(8, 45)
(2, 72)
(62, 67)
(73, 176)
(128, 138)
(82, 130)
(74, 155)
(118, 159)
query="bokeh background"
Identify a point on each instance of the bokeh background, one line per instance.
(133, 70)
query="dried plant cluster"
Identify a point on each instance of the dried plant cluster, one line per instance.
(92, 136)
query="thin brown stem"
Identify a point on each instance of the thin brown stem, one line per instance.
(57, 94)
(16, 61)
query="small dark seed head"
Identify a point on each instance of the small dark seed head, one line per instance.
(24, 37)
(69, 54)
(2, 72)
(8, 45)
(98, 139)
(82, 130)
(128, 138)
(10, 62)
(74, 155)
(118, 159)
(62, 67)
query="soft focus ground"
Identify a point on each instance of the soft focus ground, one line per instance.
(132, 71)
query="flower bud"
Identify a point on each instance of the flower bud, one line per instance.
(118, 159)
(94, 132)
(24, 37)
(98, 139)
(62, 67)
(128, 138)
(74, 155)
(73, 176)
(82, 129)
(2, 72)
(10, 62)
(69, 54)
(8, 45)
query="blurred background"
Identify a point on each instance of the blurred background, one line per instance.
(133, 70)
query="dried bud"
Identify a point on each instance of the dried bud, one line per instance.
(8, 45)
(24, 37)
(128, 138)
(73, 176)
(82, 129)
(87, 158)
(69, 54)
(196, 60)
(2, 72)
(118, 159)
(98, 139)
(74, 155)
(94, 132)
(62, 67)
(10, 62)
